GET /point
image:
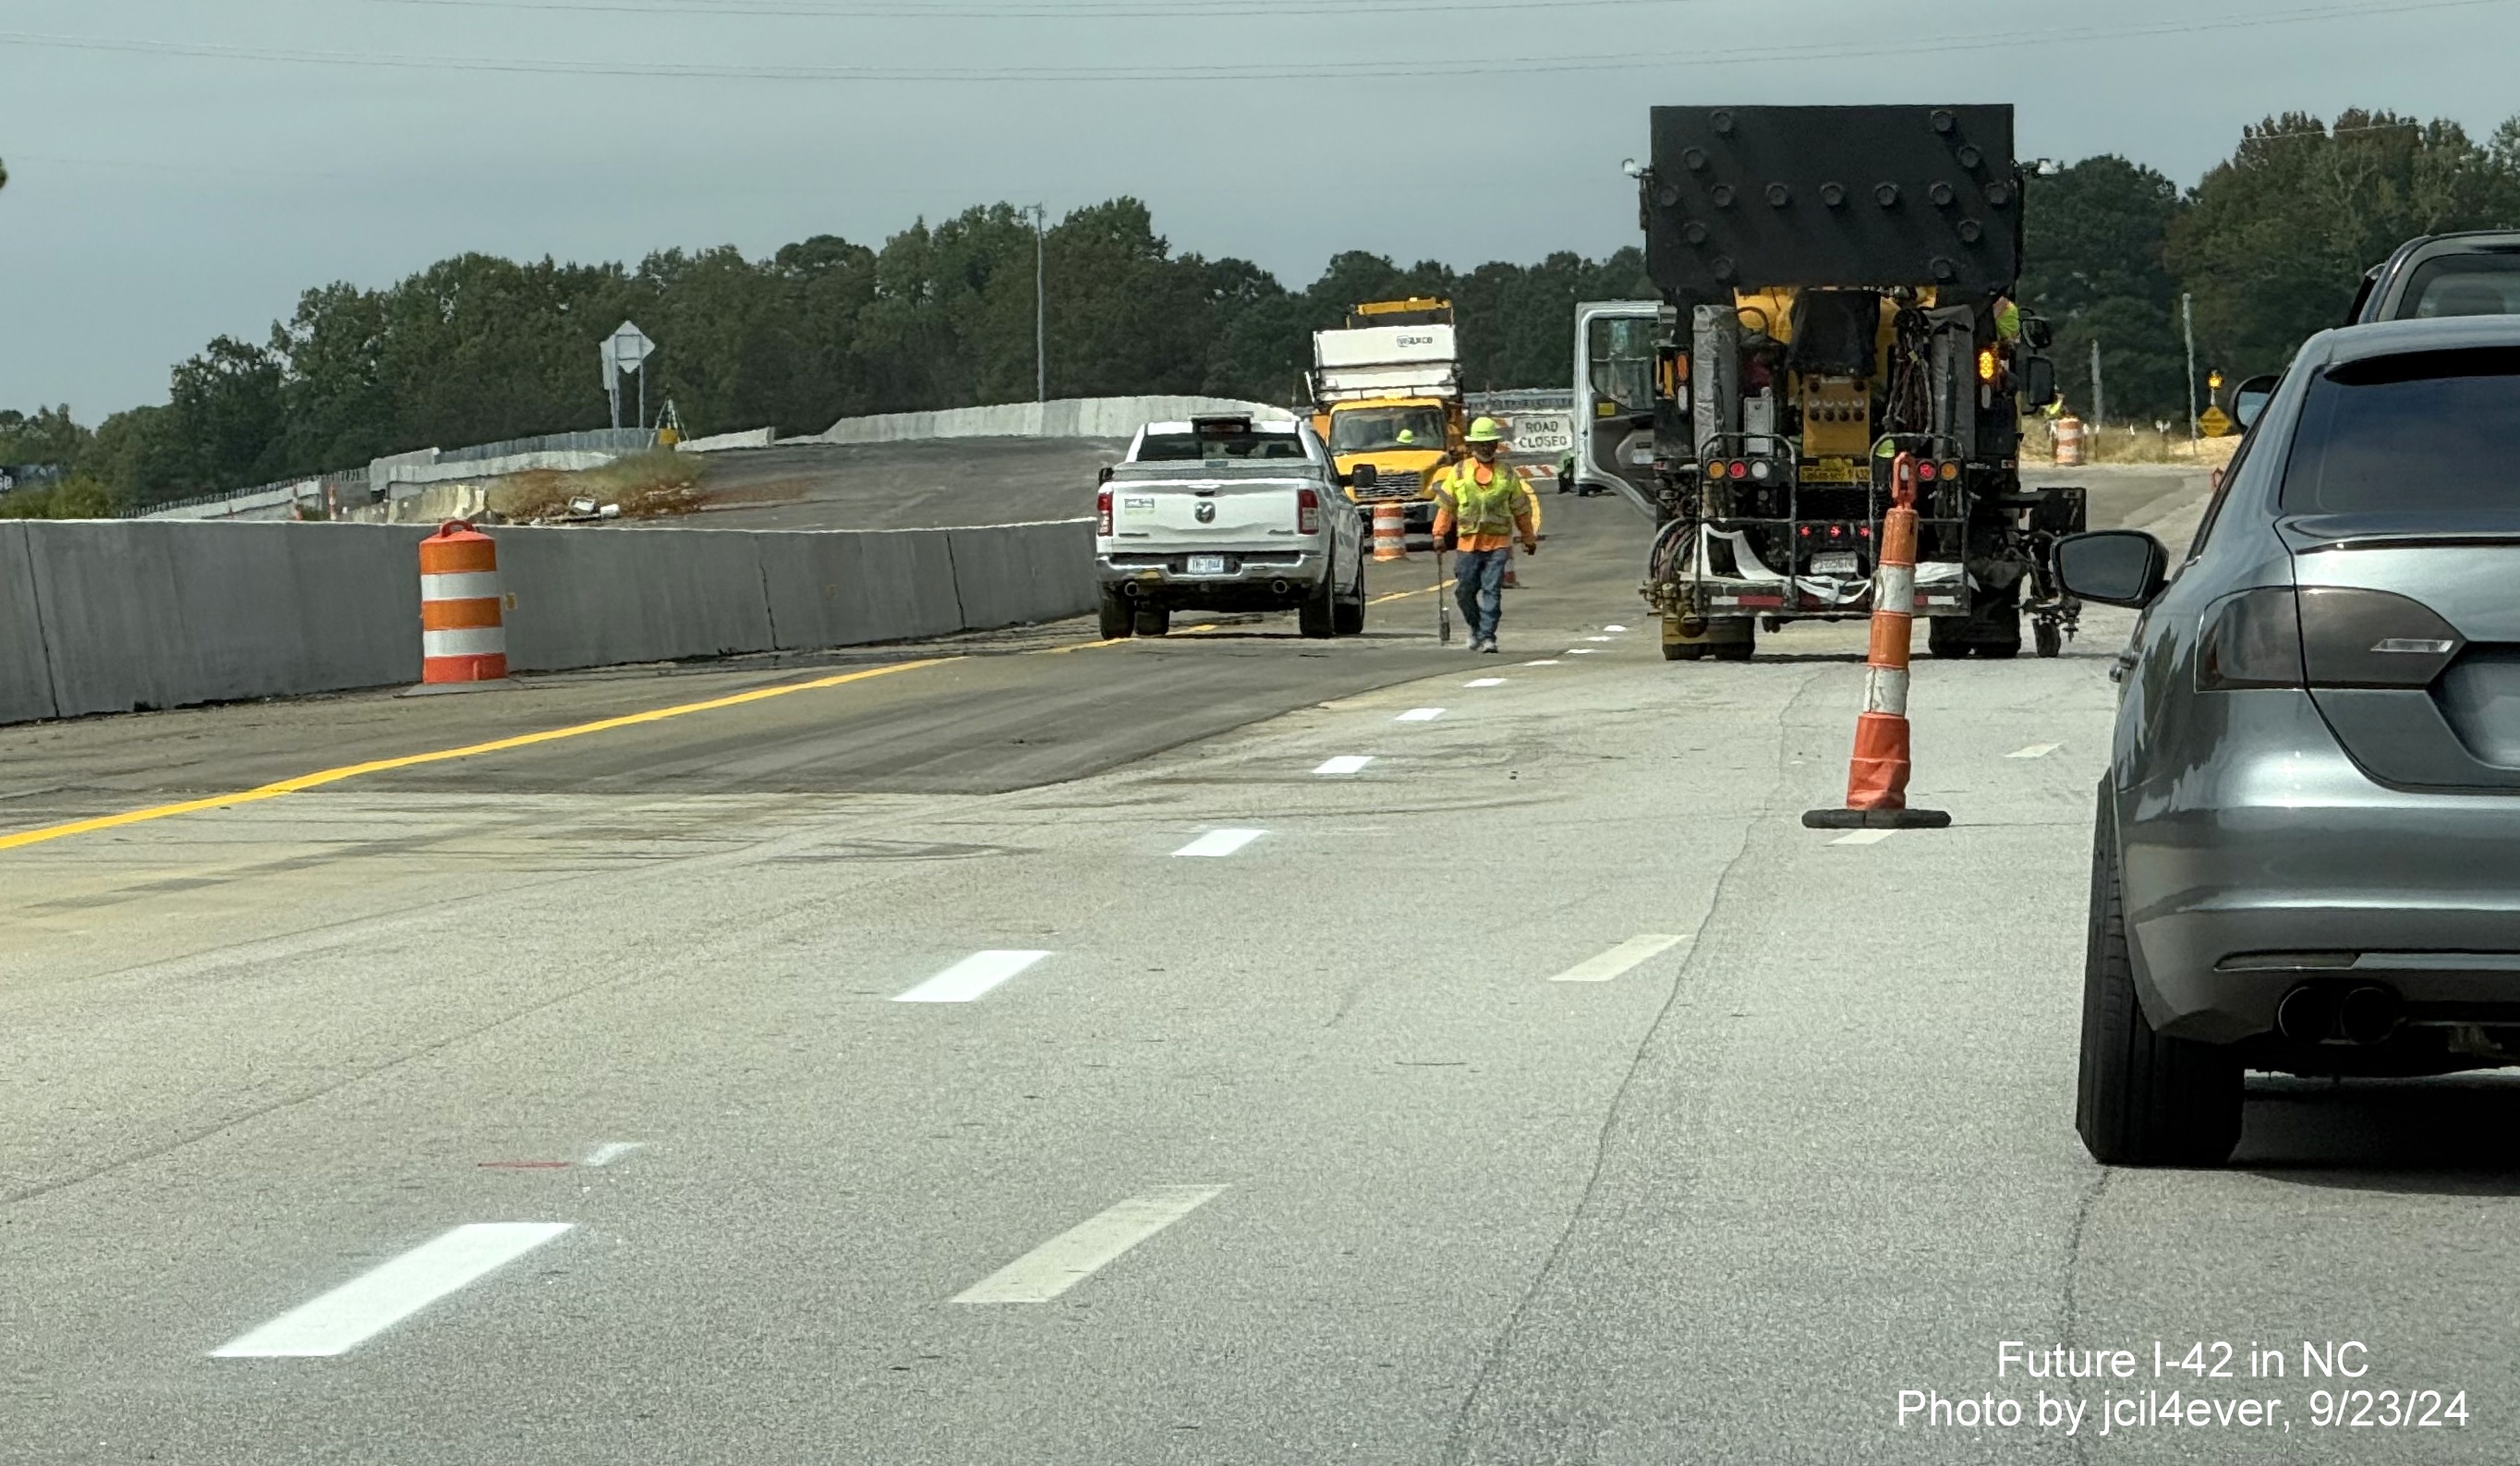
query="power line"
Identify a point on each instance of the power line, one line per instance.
(1418, 67)
(1019, 10)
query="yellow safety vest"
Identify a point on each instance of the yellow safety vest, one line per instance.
(1483, 509)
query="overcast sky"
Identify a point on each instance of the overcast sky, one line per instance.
(192, 164)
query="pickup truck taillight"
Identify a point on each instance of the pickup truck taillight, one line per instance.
(1308, 512)
(1102, 513)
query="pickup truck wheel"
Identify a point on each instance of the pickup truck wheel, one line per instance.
(2144, 1100)
(1947, 636)
(1318, 616)
(1348, 618)
(1154, 621)
(1115, 616)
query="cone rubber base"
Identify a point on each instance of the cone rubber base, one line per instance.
(1876, 820)
(437, 688)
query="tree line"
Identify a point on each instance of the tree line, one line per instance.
(2270, 243)
(2273, 243)
(479, 349)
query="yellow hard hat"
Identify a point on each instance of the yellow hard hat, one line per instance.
(1487, 431)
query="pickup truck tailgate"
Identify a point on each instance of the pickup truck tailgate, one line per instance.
(1246, 514)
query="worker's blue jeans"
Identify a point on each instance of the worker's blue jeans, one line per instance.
(1478, 587)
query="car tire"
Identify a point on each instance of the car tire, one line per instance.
(2050, 637)
(1317, 615)
(1117, 616)
(1154, 621)
(2142, 1099)
(1348, 618)
(1947, 636)
(1684, 652)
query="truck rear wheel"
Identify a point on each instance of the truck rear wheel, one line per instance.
(1317, 617)
(1154, 621)
(2142, 1099)
(1348, 618)
(1732, 639)
(1116, 615)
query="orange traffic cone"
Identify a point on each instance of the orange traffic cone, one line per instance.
(1876, 781)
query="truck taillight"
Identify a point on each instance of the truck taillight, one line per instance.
(1308, 512)
(1102, 513)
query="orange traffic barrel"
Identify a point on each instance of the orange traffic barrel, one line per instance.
(1390, 531)
(461, 637)
(2069, 440)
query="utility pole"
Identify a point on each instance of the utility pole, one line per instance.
(2187, 312)
(2099, 396)
(1040, 303)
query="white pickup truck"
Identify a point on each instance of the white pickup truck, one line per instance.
(1228, 514)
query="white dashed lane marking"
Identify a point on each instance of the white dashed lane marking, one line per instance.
(972, 977)
(1618, 960)
(1544, 662)
(1421, 715)
(1220, 842)
(1485, 682)
(1864, 837)
(606, 1155)
(1579, 651)
(1081, 1250)
(2035, 751)
(1614, 628)
(377, 1300)
(1601, 638)
(1345, 763)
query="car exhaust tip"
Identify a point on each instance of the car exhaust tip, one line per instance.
(2307, 1015)
(1133, 589)
(1277, 588)
(2368, 1014)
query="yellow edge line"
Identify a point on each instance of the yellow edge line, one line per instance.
(1405, 595)
(470, 750)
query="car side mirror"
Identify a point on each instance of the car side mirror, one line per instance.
(2038, 332)
(2113, 566)
(2038, 382)
(1363, 476)
(2249, 400)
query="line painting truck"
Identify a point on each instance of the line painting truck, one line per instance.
(1837, 289)
(1387, 392)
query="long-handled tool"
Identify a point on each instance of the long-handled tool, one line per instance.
(1443, 602)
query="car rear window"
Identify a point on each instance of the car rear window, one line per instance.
(1190, 447)
(2463, 285)
(2423, 431)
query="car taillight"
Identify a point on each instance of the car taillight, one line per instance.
(1738, 471)
(1308, 512)
(2321, 637)
(1925, 472)
(1102, 513)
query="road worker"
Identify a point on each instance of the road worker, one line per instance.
(1483, 507)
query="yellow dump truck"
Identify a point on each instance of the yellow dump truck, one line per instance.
(1387, 392)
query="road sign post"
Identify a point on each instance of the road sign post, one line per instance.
(624, 351)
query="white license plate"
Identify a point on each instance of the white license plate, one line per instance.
(1207, 564)
(1833, 564)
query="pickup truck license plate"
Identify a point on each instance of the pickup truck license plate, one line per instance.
(1209, 565)
(1831, 564)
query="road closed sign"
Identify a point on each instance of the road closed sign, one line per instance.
(1542, 434)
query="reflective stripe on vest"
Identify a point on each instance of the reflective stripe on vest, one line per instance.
(1482, 509)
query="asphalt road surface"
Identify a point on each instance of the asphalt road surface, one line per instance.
(1031, 1054)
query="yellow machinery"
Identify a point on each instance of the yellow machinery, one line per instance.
(1387, 392)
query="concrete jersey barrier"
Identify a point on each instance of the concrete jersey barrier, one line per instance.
(107, 616)
(1070, 418)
